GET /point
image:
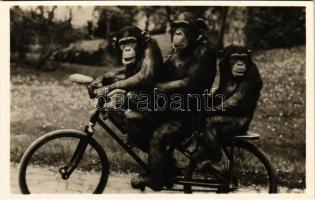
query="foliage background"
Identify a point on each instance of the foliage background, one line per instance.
(275, 27)
(38, 30)
(45, 51)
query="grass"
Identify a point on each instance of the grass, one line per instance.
(280, 114)
(46, 101)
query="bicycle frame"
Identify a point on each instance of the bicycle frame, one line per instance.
(220, 180)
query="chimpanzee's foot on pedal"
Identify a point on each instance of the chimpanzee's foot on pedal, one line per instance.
(169, 185)
(141, 181)
(171, 175)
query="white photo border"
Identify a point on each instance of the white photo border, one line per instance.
(5, 99)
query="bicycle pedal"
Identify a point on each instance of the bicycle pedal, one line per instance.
(169, 185)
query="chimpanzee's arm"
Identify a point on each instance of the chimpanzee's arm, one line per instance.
(113, 76)
(246, 94)
(236, 102)
(109, 77)
(202, 70)
(174, 86)
(114, 72)
(147, 73)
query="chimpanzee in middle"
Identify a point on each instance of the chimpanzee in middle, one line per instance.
(189, 69)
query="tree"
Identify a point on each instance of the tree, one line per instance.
(38, 26)
(275, 27)
(20, 37)
(110, 20)
(224, 12)
(47, 35)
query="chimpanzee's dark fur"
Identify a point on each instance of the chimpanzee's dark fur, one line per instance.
(145, 71)
(188, 70)
(240, 98)
(240, 101)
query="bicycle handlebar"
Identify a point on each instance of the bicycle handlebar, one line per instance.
(91, 92)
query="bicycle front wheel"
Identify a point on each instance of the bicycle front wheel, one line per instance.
(41, 164)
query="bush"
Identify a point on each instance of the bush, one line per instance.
(37, 32)
(275, 27)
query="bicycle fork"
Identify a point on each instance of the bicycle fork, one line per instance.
(67, 170)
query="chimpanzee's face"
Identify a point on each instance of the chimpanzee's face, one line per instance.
(180, 38)
(128, 46)
(238, 64)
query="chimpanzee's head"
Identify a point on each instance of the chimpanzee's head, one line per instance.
(236, 60)
(186, 28)
(130, 41)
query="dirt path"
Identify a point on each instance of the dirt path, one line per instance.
(117, 183)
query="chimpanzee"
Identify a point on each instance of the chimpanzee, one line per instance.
(141, 57)
(240, 85)
(142, 61)
(189, 68)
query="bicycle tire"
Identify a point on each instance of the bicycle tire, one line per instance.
(251, 148)
(58, 135)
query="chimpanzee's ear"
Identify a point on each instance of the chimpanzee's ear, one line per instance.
(220, 54)
(146, 36)
(114, 40)
(202, 24)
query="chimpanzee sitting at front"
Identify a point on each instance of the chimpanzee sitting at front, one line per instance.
(141, 58)
(142, 61)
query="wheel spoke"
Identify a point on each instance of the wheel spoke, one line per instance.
(84, 179)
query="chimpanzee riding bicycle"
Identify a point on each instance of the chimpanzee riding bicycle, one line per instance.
(72, 161)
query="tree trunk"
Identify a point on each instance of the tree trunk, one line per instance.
(223, 26)
(147, 15)
(108, 27)
(70, 15)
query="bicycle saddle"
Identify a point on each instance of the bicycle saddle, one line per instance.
(80, 78)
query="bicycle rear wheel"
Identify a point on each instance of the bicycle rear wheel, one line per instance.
(252, 171)
(42, 162)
